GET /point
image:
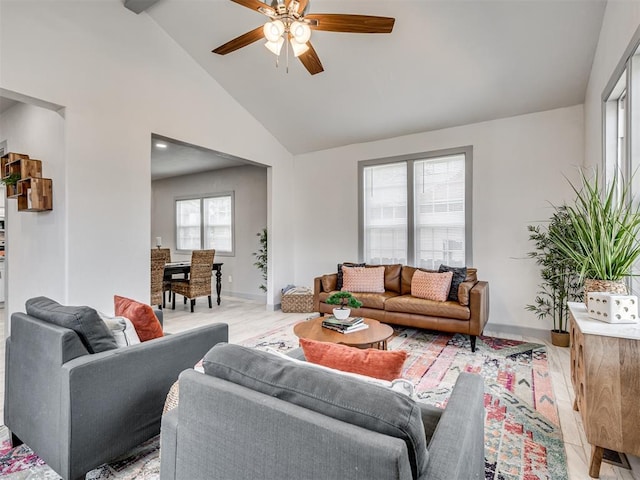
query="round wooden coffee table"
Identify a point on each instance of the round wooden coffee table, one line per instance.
(375, 336)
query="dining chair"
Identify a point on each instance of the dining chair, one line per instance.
(199, 282)
(166, 282)
(157, 278)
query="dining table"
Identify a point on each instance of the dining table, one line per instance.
(177, 268)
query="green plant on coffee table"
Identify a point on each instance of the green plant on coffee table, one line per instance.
(344, 299)
(560, 281)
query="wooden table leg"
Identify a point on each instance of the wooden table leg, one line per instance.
(218, 284)
(596, 460)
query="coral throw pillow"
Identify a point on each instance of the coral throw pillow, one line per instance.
(382, 364)
(141, 315)
(431, 285)
(363, 279)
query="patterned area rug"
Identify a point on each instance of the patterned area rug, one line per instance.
(523, 440)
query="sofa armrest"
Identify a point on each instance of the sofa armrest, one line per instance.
(121, 393)
(456, 449)
(169, 445)
(479, 307)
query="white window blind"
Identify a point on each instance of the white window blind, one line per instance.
(439, 218)
(385, 213)
(217, 223)
(188, 224)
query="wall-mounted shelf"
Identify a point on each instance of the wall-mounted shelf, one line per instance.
(34, 193)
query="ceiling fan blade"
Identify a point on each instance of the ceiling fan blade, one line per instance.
(311, 61)
(241, 41)
(256, 5)
(337, 22)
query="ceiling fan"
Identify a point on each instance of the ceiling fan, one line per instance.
(291, 24)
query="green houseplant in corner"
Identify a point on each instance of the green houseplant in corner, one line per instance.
(560, 282)
(602, 239)
(262, 257)
(344, 299)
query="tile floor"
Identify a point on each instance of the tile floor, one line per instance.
(247, 319)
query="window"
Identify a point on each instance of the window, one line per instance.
(205, 223)
(621, 130)
(416, 210)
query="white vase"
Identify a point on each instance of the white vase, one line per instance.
(341, 313)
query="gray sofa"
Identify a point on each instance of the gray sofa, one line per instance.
(78, 410)
(253, 415)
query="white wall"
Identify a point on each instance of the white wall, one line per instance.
(621, 20)
(120, 78)
(249, 184)
(518, 168)
(36, 258)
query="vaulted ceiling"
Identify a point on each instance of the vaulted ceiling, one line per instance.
(446, 63)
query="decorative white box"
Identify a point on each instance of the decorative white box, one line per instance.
(612, 308)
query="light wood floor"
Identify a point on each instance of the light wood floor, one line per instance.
(247, 319)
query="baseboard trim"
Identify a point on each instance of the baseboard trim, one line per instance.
(495, 329)
(246, 296)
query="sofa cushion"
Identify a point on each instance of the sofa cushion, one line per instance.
(85, 321)
(362, 279)
(464, 292)
(329, 282)
(472, 275)
(339, 277)
(459, 276)
(420, 306)
(382, 364)
(392, 275)
(431, 285)
(369, 300)
(349, 400)
(141, 315)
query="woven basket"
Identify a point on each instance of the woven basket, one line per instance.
(297, 303)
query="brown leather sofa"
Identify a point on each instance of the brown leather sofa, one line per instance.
(397, 306)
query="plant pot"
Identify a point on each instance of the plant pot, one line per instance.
(609, 286)
(341, 313)
(559, 338)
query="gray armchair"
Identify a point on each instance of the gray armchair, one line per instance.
(78, 410)
(254, 415)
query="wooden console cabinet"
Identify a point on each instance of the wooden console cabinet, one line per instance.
(605, 373)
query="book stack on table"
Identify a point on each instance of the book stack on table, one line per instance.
(348, 325)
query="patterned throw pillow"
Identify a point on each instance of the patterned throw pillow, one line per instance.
(340, 274)
(363, 279)
(431, 285)
(459, 275)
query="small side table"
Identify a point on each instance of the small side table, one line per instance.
(605, 373)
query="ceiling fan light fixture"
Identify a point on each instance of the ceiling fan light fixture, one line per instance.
(273, 30)
(298, 48)
(300, 31)
(275, 47)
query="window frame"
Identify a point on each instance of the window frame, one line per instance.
(624, 81)
(202, 198)
(410, 160)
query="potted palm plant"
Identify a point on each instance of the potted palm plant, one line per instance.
(560, 282)
(344, 299)
(603, 236)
